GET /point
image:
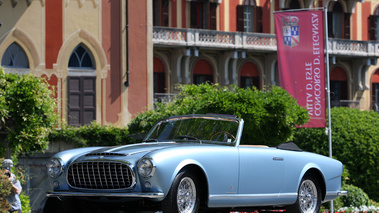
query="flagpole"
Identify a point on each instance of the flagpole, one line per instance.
(328, 91)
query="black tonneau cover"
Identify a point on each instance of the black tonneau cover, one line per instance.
(289, 146)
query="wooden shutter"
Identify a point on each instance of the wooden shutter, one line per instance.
(164, 21)
(213, 16)
(89, 99)
(194, 15)
(240, 18)
(330, 25)
(258, 19)
(155, 11)
(346, 26)
(74, 101)
(373, 26)
(81, 100)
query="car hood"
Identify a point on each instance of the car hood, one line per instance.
(132, 149)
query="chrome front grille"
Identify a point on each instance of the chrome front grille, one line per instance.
(100, 175)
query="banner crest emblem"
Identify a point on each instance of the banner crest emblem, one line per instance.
(291, 36)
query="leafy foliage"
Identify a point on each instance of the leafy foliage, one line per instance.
(27, 110)
(270, 116)
(5, 189)
(25, 203)
(356, 197)
(92, 135)
(355, 137)
(6, 186)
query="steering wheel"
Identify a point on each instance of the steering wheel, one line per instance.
(225, 134)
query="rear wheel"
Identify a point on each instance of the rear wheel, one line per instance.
(308, 197)
(184, 195)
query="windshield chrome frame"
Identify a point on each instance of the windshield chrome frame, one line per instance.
(240, 121)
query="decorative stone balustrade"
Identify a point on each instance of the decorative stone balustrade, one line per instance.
(163, 36)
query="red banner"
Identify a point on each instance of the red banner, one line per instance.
(301, 63)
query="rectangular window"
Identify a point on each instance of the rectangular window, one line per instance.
(160, 13)
(203, 15)
(249, 18)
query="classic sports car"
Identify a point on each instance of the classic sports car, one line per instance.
(195, 163)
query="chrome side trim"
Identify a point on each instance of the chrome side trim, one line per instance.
(109, 194)
(252, 196)
(342, 193)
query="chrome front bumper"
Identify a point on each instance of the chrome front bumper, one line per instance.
(342, 193)
(151, 195)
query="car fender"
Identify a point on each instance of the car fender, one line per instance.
(185, 163)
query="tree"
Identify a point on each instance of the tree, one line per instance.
(28, 112)
(355, 136)
(270, 116)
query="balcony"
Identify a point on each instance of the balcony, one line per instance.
(345, 103)
(177, 37)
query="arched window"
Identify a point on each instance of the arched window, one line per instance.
(81, 58)
(249, 76)
(374, 25)
(338, 22)
(338, 86)
(249, 17)
(202, 72)
(15, 60)
(81, 84)
(375, 91)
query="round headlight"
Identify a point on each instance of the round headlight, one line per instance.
(146, 167)
(54, 168)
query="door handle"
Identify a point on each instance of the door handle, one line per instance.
(278, 159)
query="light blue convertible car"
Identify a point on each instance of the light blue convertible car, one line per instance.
(194, 163)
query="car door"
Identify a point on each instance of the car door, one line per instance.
(260, 175)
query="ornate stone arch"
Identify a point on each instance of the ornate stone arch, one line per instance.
(101, 65)
(349, 75)
(212, 63)
(165, 61)
(84, 37)
(255, 61)
(258, 64)
(330, 3)
(26, 43)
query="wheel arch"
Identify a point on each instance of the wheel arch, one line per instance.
(201, 179)
(313, 172)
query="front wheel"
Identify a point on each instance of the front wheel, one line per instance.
(184, 195)
(308, 197)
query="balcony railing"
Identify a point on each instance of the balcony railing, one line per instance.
(176, 37)
(345, 103)
(164, 97)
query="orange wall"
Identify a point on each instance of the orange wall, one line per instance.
(266, 19)
(111, 35)
(53, 35)
(138, 88)
(233, 16)
(366, 10)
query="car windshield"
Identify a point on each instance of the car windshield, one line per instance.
(204, 129)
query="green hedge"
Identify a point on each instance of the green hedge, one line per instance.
(355, 136)
(270, 115)
(92, 135)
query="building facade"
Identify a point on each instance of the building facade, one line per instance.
(233, 42)
(80, 47)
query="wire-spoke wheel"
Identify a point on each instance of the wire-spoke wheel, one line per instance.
(308, 198)
(184, 195)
